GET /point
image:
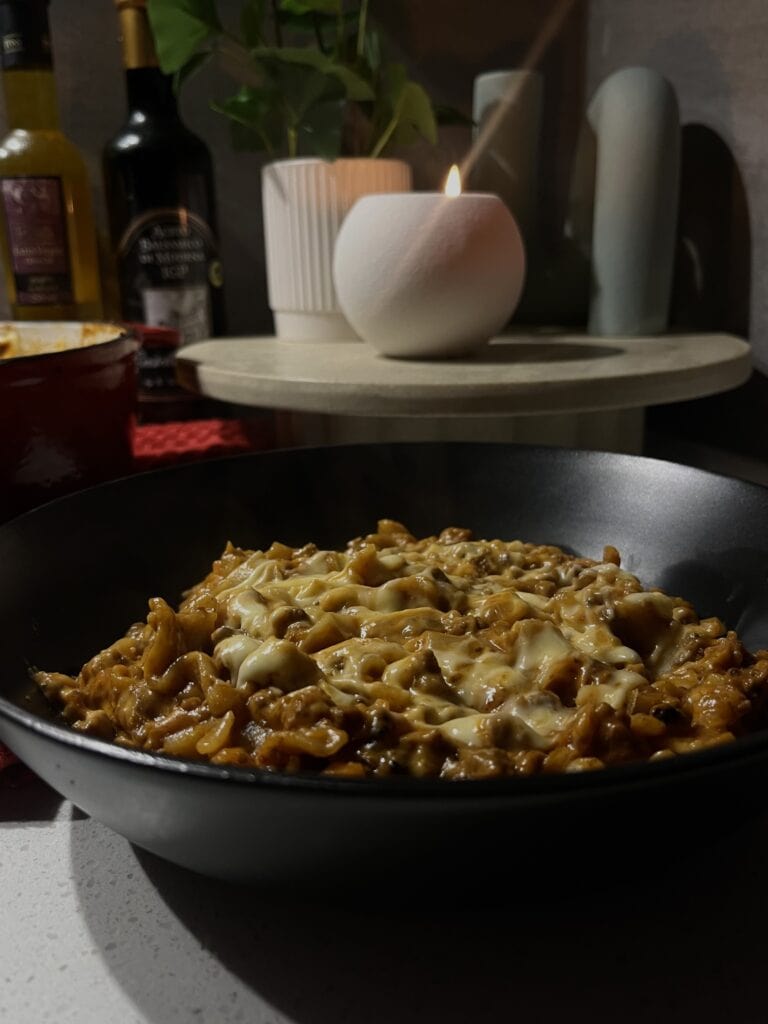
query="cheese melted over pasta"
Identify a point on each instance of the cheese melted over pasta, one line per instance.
(445, 656)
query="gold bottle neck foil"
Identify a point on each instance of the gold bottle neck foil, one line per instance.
(136, 35)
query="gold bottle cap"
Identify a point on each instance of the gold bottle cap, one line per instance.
(136, 35)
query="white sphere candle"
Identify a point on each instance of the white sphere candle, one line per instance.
(428, 274)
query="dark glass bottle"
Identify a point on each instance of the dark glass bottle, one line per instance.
(158, 179)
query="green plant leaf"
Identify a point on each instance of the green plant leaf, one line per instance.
(415, 116)
(300, 88)
(450, 115)
(355, 86)
(299, 97)
(393, 79)
(252, 22)
(320, 133)
(411, 115)
(246, 106)
(309, 6)
(180, 27)
(255, 120)
(305, 27)
(246, 140)
(193, 65)
(296, 112)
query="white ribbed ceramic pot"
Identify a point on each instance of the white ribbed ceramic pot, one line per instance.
(305, 202)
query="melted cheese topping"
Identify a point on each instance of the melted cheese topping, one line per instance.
(491, 643)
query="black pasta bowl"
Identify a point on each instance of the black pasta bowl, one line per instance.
(77, 572)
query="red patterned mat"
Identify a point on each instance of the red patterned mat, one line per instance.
(161, 444)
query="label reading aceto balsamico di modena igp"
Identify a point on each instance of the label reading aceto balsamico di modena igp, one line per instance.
(168, 265)
(36, 228)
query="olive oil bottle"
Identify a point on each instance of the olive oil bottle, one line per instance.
(47, 233)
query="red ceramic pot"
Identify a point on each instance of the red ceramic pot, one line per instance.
(67, 401)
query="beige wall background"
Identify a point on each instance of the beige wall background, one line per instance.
(714, 52)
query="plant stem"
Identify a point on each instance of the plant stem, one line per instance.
(361, 27)
(339, 48)
(276, 19)
(293, 141)
(318, 33)
(385, 136)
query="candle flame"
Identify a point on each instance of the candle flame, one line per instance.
(453, 182)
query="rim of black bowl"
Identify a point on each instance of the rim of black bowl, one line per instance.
(624, 776)
(612, 778)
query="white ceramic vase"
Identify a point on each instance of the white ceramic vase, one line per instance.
(305, 202)
(635, 119)
(506, 107)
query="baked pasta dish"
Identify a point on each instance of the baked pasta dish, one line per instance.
(443, 657)
(35, 340)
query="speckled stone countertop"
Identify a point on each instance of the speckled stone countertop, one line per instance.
(93, 930)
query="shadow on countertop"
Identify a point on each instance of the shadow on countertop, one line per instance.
(593, 942)
(26, 799)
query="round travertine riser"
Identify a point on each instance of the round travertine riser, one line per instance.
(517, 375)
(428, 275)
(305, 203)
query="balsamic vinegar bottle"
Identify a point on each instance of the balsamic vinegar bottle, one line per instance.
(47, 233)
(158, 181)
